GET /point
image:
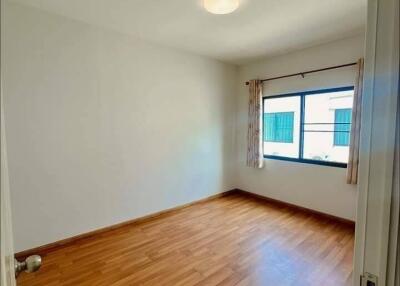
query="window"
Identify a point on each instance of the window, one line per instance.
(309, 127)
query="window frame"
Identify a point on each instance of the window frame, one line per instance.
(302, 96)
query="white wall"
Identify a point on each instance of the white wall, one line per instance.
(103, 128)
(317, 187)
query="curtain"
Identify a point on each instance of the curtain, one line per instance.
(352, 166)
(254, 135)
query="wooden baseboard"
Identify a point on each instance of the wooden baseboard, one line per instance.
(44, 249)
(293, 206)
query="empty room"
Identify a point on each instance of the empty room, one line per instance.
(200, 142)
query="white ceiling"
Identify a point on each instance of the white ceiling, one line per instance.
(259, 28)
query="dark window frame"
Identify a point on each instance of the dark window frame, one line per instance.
(302, 96)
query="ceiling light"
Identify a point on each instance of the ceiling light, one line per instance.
(221, 6)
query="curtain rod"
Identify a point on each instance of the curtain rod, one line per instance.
(307, 72)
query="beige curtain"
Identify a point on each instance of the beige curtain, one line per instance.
(254, 132)
(352, 166)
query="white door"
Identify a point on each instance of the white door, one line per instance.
(6, 240)
(8, 266)
(376, 176)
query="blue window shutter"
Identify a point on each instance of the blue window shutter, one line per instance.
(269, 127)
(278, 127)
(342, 127)
(285, 127)
(280, 121)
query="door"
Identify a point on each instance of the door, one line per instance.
(374, 226)
(6, 240)
(9, 267)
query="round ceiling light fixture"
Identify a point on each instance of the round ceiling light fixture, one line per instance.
(221, 6)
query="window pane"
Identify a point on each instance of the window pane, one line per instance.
(321, 113)
(282, 126)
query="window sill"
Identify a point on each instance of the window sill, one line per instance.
(307, 161)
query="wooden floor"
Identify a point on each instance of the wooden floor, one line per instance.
(232, 240)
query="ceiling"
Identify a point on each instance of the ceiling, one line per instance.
(259, 28)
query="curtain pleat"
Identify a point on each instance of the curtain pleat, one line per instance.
(254, 132)
(352, 166)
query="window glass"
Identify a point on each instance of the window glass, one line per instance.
(327, 123)
(282, 126)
